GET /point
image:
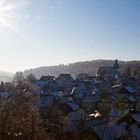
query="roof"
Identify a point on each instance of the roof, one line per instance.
(59, 94)
(113, 98)
(82, 76)
(65, 77)
(80, 92)
(40, 83)
(130, 89)
(72, 105)
(123, 89)
(47, 78)
(116, 86)
(136, 117)
(75, 115)
(46, 101)
(109, 132)
(135, 131)
(105, 86)
(116, 113)
(94, 98)
(131, 98)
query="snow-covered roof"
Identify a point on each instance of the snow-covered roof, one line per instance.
(116, 86)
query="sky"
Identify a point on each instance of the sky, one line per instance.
(36, 33)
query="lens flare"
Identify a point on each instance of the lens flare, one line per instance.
(6, 8)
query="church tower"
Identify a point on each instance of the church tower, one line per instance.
(116, 65)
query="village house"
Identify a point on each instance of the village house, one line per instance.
(65, 83)
(74, 121)
(82, 77)
(90, 103)
(105, 105)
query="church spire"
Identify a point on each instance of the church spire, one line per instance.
(116, 65)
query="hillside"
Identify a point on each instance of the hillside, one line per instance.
(89, 67)
(6, 76)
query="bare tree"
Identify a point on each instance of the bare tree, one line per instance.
(31, 77)
(20, 116)
(18, 77)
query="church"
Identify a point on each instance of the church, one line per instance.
(108, 72)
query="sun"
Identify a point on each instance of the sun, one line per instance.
(6, 8)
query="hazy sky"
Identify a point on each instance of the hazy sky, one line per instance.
(47, 32)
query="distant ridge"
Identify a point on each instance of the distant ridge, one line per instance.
(89, 67)
(6, 76)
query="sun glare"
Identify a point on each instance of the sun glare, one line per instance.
(6, 8)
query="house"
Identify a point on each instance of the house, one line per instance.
(82, 77)
(46, 101)
(79, 92)
(65, 83)
(50, 86)
(92, 120)
(134, 126)
(66, 98)
(126, 101)
(136, 117)
(105, 105)
(90, 103)
(74, 121)
(126, 96)
(132, 101)
(69, 106)
(64, 79)
(105, 86)
(135, 131)
(115, 116)
(44, 80)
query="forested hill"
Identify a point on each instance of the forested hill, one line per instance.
(89, 67)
